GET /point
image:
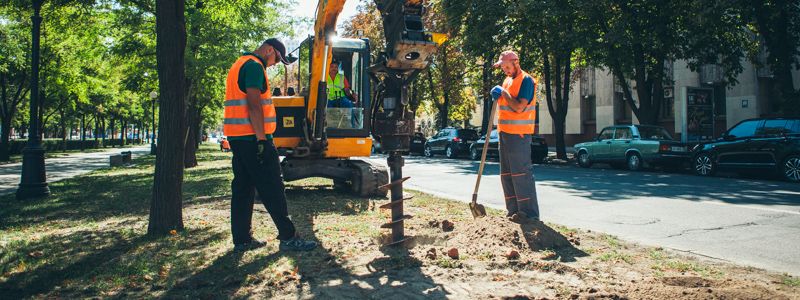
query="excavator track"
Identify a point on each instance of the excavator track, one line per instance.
(368, 178)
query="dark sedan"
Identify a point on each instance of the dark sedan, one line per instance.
(417, 144)
(754, 145)
(452, 142)
(539, 148)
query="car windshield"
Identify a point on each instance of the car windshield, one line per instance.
(468, 134)
(653, 133)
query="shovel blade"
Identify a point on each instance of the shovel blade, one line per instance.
(478, 211)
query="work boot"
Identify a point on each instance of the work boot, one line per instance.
(297, 244)
(519, 217)
(253, 244)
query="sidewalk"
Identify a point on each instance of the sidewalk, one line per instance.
(64, 167)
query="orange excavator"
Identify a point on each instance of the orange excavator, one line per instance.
(320, 137)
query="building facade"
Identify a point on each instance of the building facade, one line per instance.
(697, 105)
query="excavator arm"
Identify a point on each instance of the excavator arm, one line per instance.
(408, 51)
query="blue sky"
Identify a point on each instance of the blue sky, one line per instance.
(307, 9)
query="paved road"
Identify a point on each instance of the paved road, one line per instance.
(751, 221)
(63, 167)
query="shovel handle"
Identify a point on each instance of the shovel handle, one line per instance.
(486, 143)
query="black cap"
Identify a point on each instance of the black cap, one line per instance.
(275, 43)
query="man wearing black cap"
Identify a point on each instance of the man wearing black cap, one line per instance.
(250, 121)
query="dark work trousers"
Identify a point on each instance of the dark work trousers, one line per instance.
(516, 174)
(250, 175)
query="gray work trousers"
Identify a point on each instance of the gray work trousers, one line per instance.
(516, 174)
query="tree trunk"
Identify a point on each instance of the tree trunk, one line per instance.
(165, 206)
(190, 153)
(113, 133)
(103, 131)
(557, 106)
(5, 155)
(83, 132)
(124, 134)
(96, 127)
(487, 104)
(63, 124)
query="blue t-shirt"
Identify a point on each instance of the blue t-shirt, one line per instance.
(526, 89)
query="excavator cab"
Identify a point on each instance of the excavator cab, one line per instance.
(346, 121)
(347, 132)
(320, 135)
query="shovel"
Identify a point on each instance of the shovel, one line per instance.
(478, 211)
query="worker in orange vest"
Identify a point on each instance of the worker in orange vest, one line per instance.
(516, 124)
(250, 121)
(225, 145)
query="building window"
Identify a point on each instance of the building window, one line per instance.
(588, 103)
(589, 108)
(720, 101)
(668, 104)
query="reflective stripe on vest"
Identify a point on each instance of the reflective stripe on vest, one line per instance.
(512, 122)
(526, 109)
(243, 102)
(237, 113)
(240, 121)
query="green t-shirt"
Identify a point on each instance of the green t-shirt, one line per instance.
(251, 75)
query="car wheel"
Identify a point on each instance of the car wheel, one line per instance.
(583, 159)
(474, 154)
(634, 162)
(704, 165)
(791, 168)
(427, 151)
(449, 152)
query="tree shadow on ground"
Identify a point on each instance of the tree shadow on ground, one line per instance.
(87, 258)
(324, 273)
(99, 196)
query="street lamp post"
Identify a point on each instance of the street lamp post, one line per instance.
(33, 183)
(153, 96)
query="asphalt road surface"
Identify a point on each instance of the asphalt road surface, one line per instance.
(68, 166)
(750, 221)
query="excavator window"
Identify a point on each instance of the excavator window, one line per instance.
(345, 110)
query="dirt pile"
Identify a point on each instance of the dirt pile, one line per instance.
(497, 236)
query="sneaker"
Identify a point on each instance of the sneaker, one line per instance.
(297, 244)
(253, 244)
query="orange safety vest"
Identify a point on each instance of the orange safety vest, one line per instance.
(512, 122)
(237, 117)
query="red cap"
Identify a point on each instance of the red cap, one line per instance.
(506, 56)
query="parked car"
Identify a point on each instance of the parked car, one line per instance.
(634, 147)
(539, 148)
(451, 142)
(771, 144)
(417, 144)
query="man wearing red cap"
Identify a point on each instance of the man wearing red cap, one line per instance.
(516, 123)
(250, 121)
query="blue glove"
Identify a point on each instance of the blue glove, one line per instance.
(496, 92)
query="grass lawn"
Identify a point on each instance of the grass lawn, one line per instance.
(88, 241)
